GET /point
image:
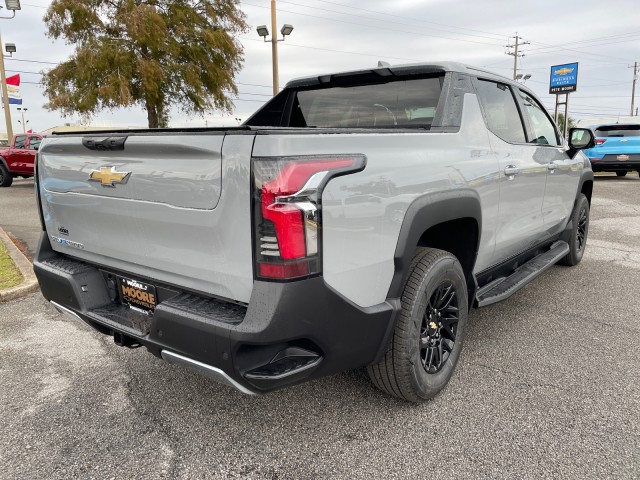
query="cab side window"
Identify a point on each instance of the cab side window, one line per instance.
(501, 111)
(543, 130)
(21, 141)
(34, 143)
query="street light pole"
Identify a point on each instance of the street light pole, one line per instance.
(274, 49)
(5, 94)
(263, 31)
(24, 124)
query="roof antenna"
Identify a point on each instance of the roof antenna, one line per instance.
(382, 63)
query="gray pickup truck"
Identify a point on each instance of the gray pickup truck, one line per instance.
(352, 221)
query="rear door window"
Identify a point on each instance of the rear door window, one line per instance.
(501, 112)
(544, 133)
(34, 143)
(400, 103)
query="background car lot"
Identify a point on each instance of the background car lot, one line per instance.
(548, 385)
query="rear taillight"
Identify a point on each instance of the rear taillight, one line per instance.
(600, 141)
(287, 211)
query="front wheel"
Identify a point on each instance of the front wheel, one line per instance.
(427, 340)
(5, 177)
(579, 231)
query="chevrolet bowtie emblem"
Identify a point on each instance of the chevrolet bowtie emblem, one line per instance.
(108, 176)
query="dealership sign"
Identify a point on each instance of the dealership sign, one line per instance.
(564, 78)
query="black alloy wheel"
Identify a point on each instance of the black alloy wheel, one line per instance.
(577, 235)
(583, 225)
(439, 326)
(429, 333)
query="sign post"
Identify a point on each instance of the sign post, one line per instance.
(562, 81)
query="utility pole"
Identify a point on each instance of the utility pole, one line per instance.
(516, 53)
(5, 94)
(633, 89)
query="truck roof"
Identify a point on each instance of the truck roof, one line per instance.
(400, 70)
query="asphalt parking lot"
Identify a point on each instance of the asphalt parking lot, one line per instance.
(548, 386)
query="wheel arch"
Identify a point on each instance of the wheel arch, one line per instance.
(450, 221)
(4, 162)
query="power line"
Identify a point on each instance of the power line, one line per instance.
(409, 18)
(376, 27)
(288, 44)
(386, 20)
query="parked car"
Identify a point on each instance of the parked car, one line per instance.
(617, 148)
(17, 159)
(352, 222)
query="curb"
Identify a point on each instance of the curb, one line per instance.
(30, 282)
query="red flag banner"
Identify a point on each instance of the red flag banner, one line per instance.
(13, 89)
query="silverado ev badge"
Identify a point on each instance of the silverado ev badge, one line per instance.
(108, 176)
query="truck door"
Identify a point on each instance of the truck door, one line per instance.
(18, 155)
(563, 172)
(522, 179)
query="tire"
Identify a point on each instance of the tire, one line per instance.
(6, 179)
(621, 174)
(421, 356)
(579, 230)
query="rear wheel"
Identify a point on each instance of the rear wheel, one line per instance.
(621, 174)
(427, 340)
(5, 177)
(579, 231)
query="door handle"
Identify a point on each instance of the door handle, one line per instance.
(511, 171)
(552, 167)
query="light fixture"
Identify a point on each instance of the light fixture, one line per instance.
(519, 76)
(10, 48)
(527, 76)
(263, 31)
(286, 30)
(12, 4)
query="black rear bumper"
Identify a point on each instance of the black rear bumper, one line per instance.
(289, 332)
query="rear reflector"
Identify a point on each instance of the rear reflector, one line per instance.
(600, 141)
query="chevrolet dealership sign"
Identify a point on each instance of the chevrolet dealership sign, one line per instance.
(564, 78)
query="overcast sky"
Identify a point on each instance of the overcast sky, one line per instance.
(338, 35)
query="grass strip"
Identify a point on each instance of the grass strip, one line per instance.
(10, 276)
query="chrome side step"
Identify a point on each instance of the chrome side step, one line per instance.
(208, 371)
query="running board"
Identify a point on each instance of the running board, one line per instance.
(504, 288)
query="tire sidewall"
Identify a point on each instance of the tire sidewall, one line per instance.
(445, 269)
(5, 176)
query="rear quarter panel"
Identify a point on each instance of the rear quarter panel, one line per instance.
(362, 213)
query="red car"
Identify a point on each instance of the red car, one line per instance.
(17, 159)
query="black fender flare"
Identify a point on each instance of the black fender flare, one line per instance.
(4, 162)
(585, 176)
(423, 213)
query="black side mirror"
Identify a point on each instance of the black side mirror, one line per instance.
(580, 139)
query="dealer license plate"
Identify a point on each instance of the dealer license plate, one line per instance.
(138, 295)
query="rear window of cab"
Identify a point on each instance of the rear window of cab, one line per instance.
(399, 103)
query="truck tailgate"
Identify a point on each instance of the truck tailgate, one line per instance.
(155, 206)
